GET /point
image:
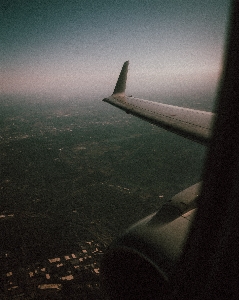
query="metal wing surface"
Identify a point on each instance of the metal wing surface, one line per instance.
(190, 123)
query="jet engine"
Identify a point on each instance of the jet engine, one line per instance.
(138, 264)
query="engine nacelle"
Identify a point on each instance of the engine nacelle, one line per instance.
(139, 264)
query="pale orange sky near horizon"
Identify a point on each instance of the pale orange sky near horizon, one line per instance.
(77, 48)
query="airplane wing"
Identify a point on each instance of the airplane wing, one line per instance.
(190, 123)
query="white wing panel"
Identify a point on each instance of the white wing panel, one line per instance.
(190, 123)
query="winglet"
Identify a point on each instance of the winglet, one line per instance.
(121, 83)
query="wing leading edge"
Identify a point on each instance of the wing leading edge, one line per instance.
(190, 123)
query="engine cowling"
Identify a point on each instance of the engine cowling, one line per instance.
(139, 264)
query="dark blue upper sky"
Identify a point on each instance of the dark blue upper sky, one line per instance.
(78, 47)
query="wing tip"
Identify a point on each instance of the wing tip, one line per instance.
(121, 82)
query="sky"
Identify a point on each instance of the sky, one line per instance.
(77, 48)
